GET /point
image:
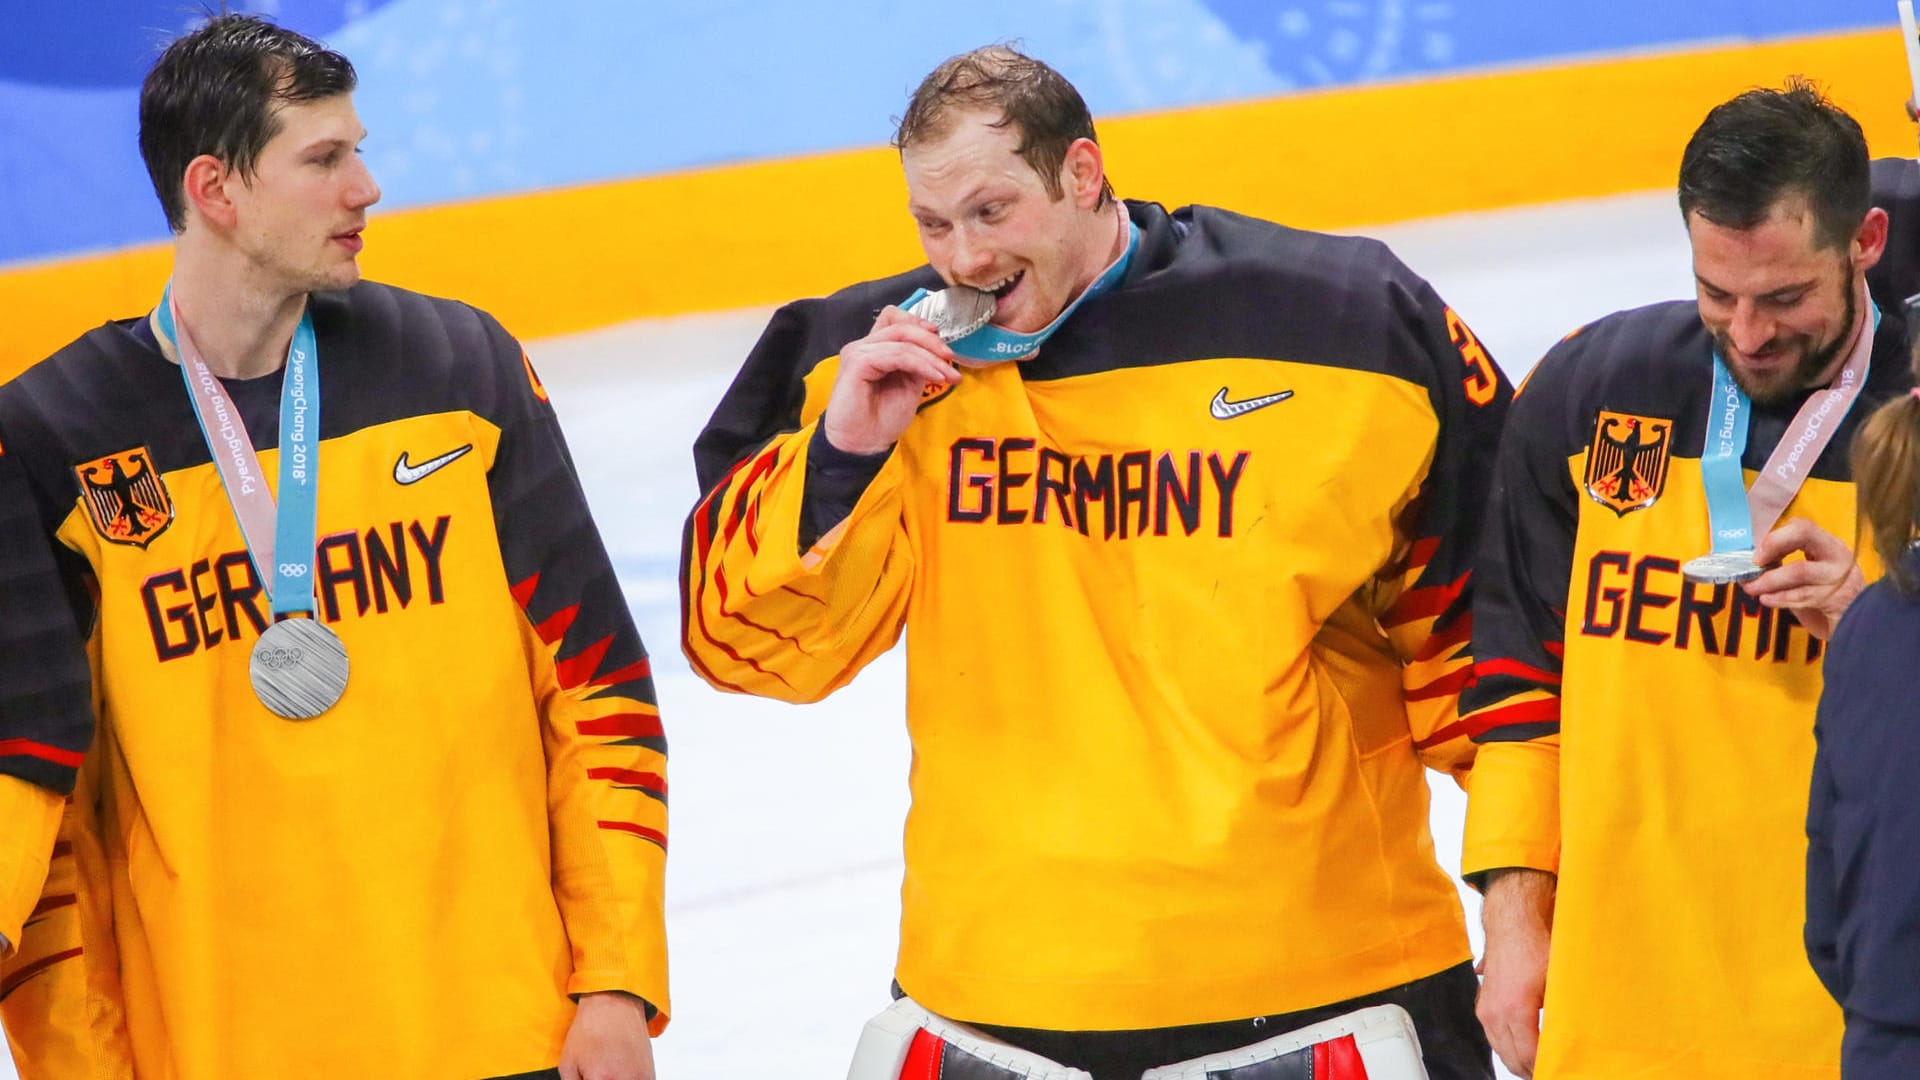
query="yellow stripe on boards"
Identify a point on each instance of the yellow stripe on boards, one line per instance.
(1397, 152)
(44, 305)
(560, 261)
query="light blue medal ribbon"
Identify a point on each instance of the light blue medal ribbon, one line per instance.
(993, 344)
(282, 552)
(295, 525)
(1728, 515)
(298, 667)
(1736, 516)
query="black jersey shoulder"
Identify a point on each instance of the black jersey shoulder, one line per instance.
(1209, 283)
(406, 354)
(385, 354)
(1652, 361)
(769, 390)
(107, 392)
(1896, 189)
(817, 329)
(1657, 362)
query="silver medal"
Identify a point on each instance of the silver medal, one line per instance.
(1721, 568)
(955, 312)
(299, 668)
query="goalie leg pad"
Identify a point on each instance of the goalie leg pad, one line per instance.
(906, 1042)
(1376, 1043)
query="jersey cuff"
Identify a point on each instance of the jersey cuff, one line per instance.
(1513, 808)
(1514, 853)
(593, 982)
(835, 480)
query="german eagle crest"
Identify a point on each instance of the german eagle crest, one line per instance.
(125, 498)
(1627, 461)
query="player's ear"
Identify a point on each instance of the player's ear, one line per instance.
(1083, 173)
(207, 185)
(1869, 240)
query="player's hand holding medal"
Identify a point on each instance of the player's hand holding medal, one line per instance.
(963, 316)
(1737, 516)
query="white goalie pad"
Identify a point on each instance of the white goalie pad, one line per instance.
(1384, 1043)
(888, 1042)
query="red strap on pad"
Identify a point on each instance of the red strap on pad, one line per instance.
(923, 1057)
(1338, 1059)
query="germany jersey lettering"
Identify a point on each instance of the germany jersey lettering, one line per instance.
(1016, 481)
(212, 601)
(1643, 599)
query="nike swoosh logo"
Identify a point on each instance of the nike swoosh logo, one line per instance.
(406, 472)
(1222, 409)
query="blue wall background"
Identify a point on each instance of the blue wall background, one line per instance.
(468, 98)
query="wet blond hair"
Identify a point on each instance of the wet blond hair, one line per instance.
(1032, 98)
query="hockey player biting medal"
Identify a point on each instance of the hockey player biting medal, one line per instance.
(1179, 507)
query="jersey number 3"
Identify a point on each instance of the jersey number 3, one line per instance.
(1482, 381)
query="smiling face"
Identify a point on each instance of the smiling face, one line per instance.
(298, 216)
(1780, 306)
(987, 220)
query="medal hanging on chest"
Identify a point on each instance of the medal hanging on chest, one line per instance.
(1736, 516)
(299, 666)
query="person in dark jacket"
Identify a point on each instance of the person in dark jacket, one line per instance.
(1863, 818)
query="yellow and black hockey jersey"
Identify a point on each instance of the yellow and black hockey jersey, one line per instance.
(1185, 598)
(1651, 739)
(411, 884)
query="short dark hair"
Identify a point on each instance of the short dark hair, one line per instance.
(1765, 145)
(218, 89)
(1034, 99)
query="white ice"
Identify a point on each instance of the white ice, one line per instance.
(783, 884)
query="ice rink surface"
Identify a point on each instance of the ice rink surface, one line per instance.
(784, 867)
